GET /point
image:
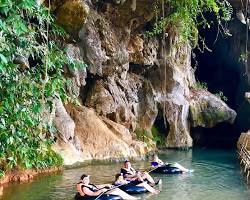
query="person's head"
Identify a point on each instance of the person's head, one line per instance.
(85, 179)
(127, 164)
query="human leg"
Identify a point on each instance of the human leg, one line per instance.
(122, 194)
(177, 165)
(146, 176)
(148, 188)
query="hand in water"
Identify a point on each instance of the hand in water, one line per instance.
(157, 191)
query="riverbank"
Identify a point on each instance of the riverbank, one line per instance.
(17, 175)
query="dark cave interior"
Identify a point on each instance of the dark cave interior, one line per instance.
(222, 70)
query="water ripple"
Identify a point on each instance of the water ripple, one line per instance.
(217, 176)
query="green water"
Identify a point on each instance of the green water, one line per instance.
(217, 176)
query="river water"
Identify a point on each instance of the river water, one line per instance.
(216, 176)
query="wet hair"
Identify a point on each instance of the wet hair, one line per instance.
(84, 176)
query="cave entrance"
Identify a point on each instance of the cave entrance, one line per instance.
(159, 129)
(221, 70)
(223, 135)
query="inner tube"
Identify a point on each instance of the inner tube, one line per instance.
(133, 189)
(167, 169)
(102, 197)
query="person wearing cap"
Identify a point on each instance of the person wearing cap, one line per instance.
(120, 181)
(88, 190)
(136, 177)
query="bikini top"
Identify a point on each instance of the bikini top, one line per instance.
(154, 163)
(125, 171)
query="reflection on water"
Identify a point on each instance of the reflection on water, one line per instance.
(217, 176)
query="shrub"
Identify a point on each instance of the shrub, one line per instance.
(31, 75)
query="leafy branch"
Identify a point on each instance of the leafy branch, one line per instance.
(31, 75)
(187, 16)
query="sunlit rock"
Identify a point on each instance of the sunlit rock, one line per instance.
(77, 73)
(207, 110)
(64, 124)
(97, 138)
(132, 77)
(100, 141)
(171, 81)
(135, 49)
(69, 153)
(116, 99)
(72, 15)
(177, 117)
(244, 141)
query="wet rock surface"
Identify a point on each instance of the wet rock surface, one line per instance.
(206, 110)
(131, 80)
(97, 138)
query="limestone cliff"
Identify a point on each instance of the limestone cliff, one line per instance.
(130, 78)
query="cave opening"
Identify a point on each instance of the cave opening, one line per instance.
(222, 71)
(160, 129)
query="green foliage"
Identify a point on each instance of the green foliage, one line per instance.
(201, 85)
(157, 136)
(221, 96)
(26, 92)
(1, 173)
(142, 135)
(187, 16)
(147, 137)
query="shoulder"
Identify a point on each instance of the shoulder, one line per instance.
(85, 188)
(123, 170)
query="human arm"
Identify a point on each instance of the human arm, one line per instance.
(88, 192)
(160, 162)
(104, 186)
(128, 174)
(121, 182)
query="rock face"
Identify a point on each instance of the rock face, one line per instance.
(130, 81)
(77, 73)
(244, 140)
(116, 99)
(206, 110)
(72, 14)
(97, 138)
(65, 125)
